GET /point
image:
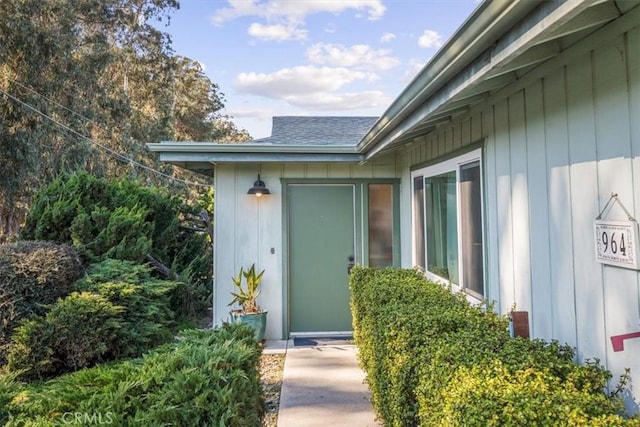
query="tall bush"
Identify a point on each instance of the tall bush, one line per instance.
(432, 359)
(96, 215)
(125, 220)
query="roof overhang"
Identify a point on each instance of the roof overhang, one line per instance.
(498, 44)
(198, 156)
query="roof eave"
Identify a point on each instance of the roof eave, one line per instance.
(499, 38)
(218, 158)
(248, 148)
(213, 153)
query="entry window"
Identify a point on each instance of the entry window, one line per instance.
(418, 222)
(380, 225)
(448, 237)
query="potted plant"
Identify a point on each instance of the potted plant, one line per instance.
(246, 295)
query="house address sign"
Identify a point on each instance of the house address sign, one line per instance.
(616, 243)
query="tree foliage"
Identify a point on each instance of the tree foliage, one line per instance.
(77, 75)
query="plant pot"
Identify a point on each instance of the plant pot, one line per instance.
(257, 321)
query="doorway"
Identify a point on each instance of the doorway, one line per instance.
(321, 233)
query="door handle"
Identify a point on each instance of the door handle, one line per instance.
(352, 262)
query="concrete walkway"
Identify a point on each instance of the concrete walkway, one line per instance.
(323, 386)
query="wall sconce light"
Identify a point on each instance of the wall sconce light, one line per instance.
(259, 188)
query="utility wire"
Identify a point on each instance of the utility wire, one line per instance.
(75, 113)
(112, 152)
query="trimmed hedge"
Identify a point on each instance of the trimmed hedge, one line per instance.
(432, 359)
(206, 378)
(33, 274)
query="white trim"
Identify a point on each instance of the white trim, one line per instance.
(216, 147)
(452, 165)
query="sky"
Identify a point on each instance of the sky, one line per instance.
(311, 57)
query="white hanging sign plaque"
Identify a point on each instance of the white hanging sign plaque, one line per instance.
(616, 243)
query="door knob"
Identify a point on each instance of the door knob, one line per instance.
(352, 262)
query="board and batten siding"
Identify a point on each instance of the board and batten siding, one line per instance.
(249, 230)
(555, 146)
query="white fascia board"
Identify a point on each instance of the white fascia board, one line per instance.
(217, 158)
(248, 148)
(194, 152)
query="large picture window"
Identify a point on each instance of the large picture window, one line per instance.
(447, 223)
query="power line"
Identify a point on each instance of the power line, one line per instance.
(112, 152)
(75, 113)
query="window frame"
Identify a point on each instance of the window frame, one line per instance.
(453, 164)
(363, 258)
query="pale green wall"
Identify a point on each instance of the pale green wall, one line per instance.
(556, 144)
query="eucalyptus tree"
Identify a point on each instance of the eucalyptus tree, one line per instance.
(82, 79)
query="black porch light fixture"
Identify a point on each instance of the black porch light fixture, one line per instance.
(259, 188)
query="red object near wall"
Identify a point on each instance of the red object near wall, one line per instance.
(618, 340)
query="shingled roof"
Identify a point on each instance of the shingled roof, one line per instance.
(317, 130)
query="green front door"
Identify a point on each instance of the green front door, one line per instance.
(321, 240)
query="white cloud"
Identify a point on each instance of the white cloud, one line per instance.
(295, 10)
(387, 37)
(339, 101)
(276, 32)
(237, 8)
(358, 56)
(297, 81)
(261, 113)
(312, 87)
(430, 39)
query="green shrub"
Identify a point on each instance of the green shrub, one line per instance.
(125, 220)
(32, 275)
(111, 271)
(148, 304)
(206, 378)
(9, 389)
(118, 311)
(426, 353)
(78, 331)
(96, 216)
(122, 233)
